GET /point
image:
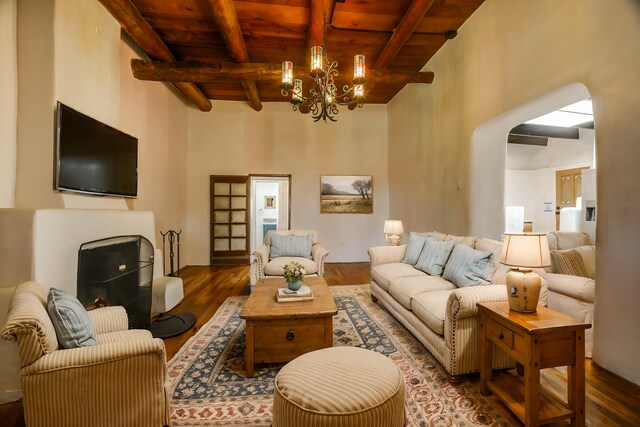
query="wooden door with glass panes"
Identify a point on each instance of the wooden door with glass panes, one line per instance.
(568, 189)
(229, 219)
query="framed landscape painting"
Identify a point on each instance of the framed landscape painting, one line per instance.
(352, 194)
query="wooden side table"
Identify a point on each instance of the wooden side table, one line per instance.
(544, 339)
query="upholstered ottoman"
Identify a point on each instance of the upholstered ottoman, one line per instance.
(339, 387)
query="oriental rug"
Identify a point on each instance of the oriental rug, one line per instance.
(208, 386)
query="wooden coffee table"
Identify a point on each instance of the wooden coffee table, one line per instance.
(280, 332)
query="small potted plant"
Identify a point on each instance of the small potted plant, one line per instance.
(294, 273)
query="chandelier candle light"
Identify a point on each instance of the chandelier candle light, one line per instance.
(323, 99)
(523, 252)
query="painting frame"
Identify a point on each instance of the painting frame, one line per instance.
(269, 202)
(346, 194)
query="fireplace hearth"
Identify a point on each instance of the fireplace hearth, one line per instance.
(117, 271)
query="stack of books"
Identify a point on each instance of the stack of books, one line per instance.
(287, 295)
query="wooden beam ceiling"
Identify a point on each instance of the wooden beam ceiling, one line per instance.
(225, 15)
(214, 72)
(141, 32)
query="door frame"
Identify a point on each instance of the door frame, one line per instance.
(267, 176)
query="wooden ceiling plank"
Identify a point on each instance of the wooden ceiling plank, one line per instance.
(214, 72)
(225, 15)
(407, 25)
(141, 32)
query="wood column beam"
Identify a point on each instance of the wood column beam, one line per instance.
(403, 31)
(214, 72)
(225, 15)
(141, 32)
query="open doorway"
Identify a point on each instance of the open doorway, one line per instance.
(550, 159)
(270, 206)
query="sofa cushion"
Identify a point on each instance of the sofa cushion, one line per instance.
(383, 274)
(467, 240)
(414, 247)
(403, 289)
(430, 307)
(500, 271)
(588, 254)
(70, 320)
(290, 246)
(435, 234)
(469, 267)
(275, 267)
(569, 262)
(571, 239)
(434, 256)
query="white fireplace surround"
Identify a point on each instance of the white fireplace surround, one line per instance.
(42, 245)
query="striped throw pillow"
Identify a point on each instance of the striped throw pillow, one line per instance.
(570, 263)
(414, 247)
(290, 245)
(434, 256)
(469, 267)
(70, 320)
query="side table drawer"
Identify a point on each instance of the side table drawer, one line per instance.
(500, 334)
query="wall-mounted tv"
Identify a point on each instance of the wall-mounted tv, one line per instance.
(92, 157)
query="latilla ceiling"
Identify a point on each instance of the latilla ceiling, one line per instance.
(233, 50)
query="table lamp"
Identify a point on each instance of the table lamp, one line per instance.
(392, 229)
(523, 252)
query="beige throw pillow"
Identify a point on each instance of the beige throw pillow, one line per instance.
(570, 263)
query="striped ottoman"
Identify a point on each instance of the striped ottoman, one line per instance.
(339, 387)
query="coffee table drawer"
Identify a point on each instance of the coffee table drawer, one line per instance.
(278, 339)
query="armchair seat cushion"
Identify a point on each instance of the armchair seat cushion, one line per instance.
(384, 273)
(127, 335)
(275, 267)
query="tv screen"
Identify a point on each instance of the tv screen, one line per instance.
(93, 157)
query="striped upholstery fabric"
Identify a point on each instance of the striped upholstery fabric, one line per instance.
(469, 267)
(386, 254)
(70, 320)
(290, 246)
(434, 256)
(29, 323)
(109, 319)
(118, 382)
(570, 263)
(339, 386)
(414, 247)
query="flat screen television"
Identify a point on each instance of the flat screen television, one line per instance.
(92, 157)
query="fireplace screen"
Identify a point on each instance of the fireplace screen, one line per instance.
(117, 271)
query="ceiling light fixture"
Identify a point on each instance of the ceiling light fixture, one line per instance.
(323, 99)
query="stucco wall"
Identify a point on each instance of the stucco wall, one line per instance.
(8, 101)
(235, 140)
(507, 54)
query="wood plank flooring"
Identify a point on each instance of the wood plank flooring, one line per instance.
(610, 401)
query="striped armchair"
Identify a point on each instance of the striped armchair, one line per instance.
(118, 382)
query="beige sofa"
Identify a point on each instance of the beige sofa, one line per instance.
(442, 316)
(573, 295)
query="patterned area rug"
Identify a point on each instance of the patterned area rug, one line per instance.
(208, 386)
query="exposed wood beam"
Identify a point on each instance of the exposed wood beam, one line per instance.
(319, 16)
(407, 25)
(141, 32)
(225, 15)
(214, 72)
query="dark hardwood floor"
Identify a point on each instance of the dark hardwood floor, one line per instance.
(610, 400)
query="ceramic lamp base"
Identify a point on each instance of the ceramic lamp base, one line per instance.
(523, 289)
(394, 239)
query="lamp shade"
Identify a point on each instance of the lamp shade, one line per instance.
(393, 226)
(525, 250)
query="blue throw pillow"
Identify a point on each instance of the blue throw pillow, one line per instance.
(70, 320)
(414, 247)
(469, 267)
(290, 245)
(434, 256)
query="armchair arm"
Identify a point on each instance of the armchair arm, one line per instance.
(109, 353)
(319, 254)
(580, 288)
(260, 258)
(109, 319)
(386, 254)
